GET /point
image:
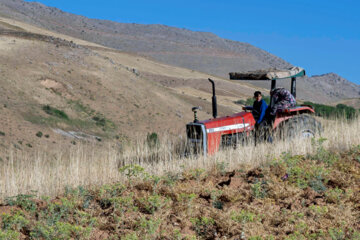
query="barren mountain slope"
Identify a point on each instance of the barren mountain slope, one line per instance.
(353, 102)
(335, 85)
(196, 50)
(200, 51)
(103, 92)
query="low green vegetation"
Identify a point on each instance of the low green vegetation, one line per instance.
(250, 101)
(88, 118)
(152, 140)
(55, 112)
(244, 216)
(322, 110)
(339, 111)
(81, 108)
(203, 226)
(291, 197)
(39, 134)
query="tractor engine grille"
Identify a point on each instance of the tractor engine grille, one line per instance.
(196, 138)
(194, 132)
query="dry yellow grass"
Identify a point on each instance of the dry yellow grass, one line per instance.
(86, 165)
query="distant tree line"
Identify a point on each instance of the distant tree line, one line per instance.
(326, 111)
(250, 101)
(339, 111)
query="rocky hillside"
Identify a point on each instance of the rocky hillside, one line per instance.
(200, 51)
(55, 88)
(335, 86)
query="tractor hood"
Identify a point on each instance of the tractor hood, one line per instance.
(239, 122)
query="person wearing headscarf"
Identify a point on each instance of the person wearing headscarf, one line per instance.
(282, 100)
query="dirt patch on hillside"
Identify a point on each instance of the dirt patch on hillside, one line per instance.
(56, 87)
(39, 37)
(7, 26)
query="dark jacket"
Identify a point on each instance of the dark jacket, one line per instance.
(258, 110)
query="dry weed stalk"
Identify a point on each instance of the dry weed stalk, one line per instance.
(85, 165)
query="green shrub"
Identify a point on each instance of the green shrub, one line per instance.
(84, 219)
(55, 112)
(321, 154)
(9, 235)
(255, 238)
(152, 140)
(39, 134)
(339, 111)
(133, 172)
(337, 234)
(80, 107)
(2, 133)
(15, 222)
(152, 203)
(149, 227)
(240, 102)
(60, 231)
(80, 195)
(355, 235)
(250, 101)
(111, 190)
(303, 173)
(243, 216)
(123, 204)
(100, 121)
(186, 199)
(103, 122)
(318, 211)
(57, 211)
(221, 167)
(170, 178)
(317, 184)
(25, 201)
(259, 189)
(203, 226)
(130, 236)
(334, 195)
(198, 174)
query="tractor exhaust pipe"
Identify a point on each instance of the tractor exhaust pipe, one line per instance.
(214, 105)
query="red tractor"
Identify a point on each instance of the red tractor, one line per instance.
(208, 136)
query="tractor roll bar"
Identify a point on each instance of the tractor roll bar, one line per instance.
(273, 75)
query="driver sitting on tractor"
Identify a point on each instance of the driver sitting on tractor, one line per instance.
(258, 109)
(282, 100)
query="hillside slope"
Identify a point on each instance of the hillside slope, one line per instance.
(200, 51)
(65, 88)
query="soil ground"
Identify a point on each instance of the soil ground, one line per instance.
(293, 197)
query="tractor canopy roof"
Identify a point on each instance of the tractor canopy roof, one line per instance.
(268, 74)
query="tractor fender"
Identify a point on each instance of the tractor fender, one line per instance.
(287, 114)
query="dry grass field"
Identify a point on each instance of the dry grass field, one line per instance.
(89, 165)
(300, 189)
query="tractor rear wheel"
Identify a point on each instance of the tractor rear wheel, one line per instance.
(301, 126)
